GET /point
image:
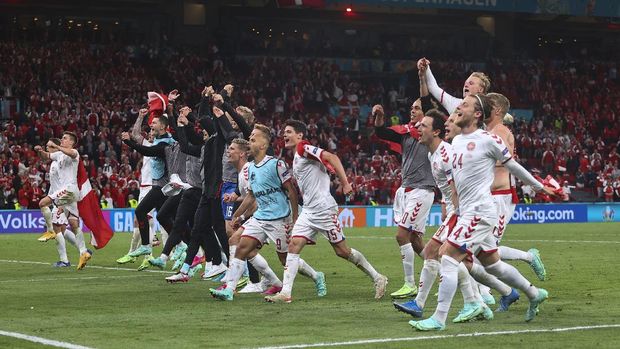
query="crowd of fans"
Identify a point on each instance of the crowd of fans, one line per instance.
(97, 90)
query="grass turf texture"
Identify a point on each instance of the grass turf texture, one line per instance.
(105, 308)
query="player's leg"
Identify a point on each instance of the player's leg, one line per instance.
(49, 233)
(61, 247)
(216, 240)
(151, 200)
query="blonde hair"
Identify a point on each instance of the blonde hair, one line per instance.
(244, 145)
(499, 101)
(486, 81)
(265, 130)
(246, 113)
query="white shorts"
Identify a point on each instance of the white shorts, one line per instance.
(324, 222)
(59, 218)
(505, 210)
(262, 231)
(67, 198)
(474, 234)
(446, 228)
(411, 208)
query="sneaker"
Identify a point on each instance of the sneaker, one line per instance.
(157, 262)
(252, 288)
(488, 299)
(242, 282)
(532, 311)
(178, 251)
(178, 277)
(198, 260)
(84, 257)
(145, 263)
(61, 264)
(469, 312)
(278, 298)
(412, 308)
(222, 293)
(272, 290)
(179, 262)
(380, 285)
(429, 324)
(126, 259)
(506, 301)
(537, 264)
(141, 251)
(319, 284)
(405, 292)
(214, 271)
(487, 313)
(194, 270)
(47, 236)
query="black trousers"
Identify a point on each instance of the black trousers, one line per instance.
(154, 199)
(208, 228)
(168, 211)
(184, 219)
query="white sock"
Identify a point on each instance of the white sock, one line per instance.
(151, 230)
(61, 247)
(135, 239)
(70, 236)
(163, 257)
(447, 287)
(481, 276)
(232, 250)
(79, 239)
(357, 258)
(164, 235)
(47, 214)
(201, 252)
(465, 285)
(511, 276)
(473, 285)
(508, 253)
(428, 274)
(306, 270)
(236, 270)
(406, 251)
(484, 290)
(290, 272)
(260, 263)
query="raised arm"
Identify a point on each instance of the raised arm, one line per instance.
(449, 102)
(70, 152)
(157, 150)
(380, 129)
(136, 130)
(186, 147)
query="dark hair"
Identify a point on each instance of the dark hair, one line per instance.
(482, 104)
(297, 125)
(72, 135)
(55, 141)
(162, 119)
(438, 121)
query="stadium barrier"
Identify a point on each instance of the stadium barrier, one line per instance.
(121, 220)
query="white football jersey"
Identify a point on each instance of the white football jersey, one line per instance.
(67, 168)
(312, 178)
(441, 168)
(145, 171)
(473, 170)
(243, 179)
(55, 183)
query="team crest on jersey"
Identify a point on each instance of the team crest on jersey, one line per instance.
(471, 146)
(252, 176)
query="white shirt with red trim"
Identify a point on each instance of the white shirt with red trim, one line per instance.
(313, 178)
(243, 180)
(441, 168)
(145, 172)
(67, 168)
(473, 170)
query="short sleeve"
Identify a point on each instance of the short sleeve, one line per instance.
(309, 151)
(284, 172)
(446, 155)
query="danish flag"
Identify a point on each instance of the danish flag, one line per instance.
(90, 211)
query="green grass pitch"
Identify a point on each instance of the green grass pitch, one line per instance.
(118, 308)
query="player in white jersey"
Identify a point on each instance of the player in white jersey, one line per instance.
(503, 188)
(146, 181)
(473, 162)
(65, 186)
(477, 82)
(320, 210)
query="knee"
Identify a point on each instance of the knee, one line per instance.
(343, 253)
(402, 237)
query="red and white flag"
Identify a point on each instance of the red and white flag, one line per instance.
(90, 211)
(157, 104)
(401, 130)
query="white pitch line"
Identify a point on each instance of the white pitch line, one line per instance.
(41, 340)
(461, 335)
(88, 266)
(511, 240)
(76, 278)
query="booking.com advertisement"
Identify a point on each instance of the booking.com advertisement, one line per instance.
(31, 221)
